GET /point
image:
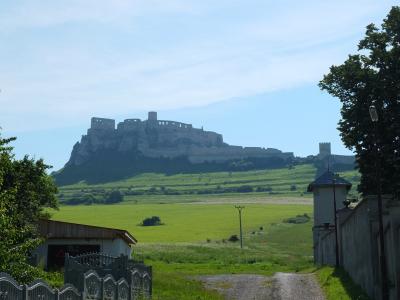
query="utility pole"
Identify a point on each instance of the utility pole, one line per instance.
(384, 279)
(239, 208)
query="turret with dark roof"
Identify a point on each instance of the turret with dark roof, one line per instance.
(328, 179)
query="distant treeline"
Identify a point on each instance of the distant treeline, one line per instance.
(88, 198)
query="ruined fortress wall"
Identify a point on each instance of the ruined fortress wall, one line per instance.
(162, 131)
(164, 138)
(221, 154)
(102, 124)
(197, 154)
(129, 125)
(343, 159)
(172, 124)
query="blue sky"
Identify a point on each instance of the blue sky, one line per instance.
(247, 69)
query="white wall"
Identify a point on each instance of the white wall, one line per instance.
(114, 247)
(323, 203)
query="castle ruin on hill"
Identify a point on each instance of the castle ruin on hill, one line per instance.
(155, 138)
(325, 153)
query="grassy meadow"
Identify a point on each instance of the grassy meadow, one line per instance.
(182, 222)
(198, 216)
(194, 240)
(205, 187)
(284, 182)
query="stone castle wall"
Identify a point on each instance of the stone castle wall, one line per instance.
(326, 153)
(163, 138)
(198, 154)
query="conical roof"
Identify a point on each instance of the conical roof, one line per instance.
(328, 179)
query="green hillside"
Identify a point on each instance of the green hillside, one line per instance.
(159, 188)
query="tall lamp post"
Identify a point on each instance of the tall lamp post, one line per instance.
(384, 282)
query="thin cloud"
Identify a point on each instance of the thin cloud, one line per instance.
(63, 71)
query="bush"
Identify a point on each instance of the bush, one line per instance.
(293, 187)
(244, 189)
(299, 219)
(153, 221)
(264, 189)
(233, 238)
(114, 197)
(80, 199)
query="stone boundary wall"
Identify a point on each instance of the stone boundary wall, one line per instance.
(358, 236)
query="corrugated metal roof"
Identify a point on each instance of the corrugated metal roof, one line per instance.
(51, 229)
(328, 179)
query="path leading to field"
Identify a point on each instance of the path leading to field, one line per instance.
(282, 286)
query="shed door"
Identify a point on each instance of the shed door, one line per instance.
(56, 253)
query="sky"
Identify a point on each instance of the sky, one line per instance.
(246, 69)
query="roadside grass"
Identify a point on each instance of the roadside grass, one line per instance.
(265, 252)
(171, 285)
(337, 284)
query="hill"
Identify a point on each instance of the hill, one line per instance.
(200, 187)
(108, 153)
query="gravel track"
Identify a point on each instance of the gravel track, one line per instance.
(282, 286)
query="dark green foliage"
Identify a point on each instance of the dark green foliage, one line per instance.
(299, 219)
(102, 197)
(263, 189)
(242, 165)
(293, 187)
(114, 197)
(244, 189)
(82, 198)
(153, 221)
(233, 238)
(372, 77)
(25, 190)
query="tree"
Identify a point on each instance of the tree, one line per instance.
(114, 197)
(372, 76)
(153, 221)
(25, 190)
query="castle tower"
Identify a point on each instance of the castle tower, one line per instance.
(324, 150)
(327, 188)
(152, 116)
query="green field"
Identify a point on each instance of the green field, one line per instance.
(183, 222)
(199, 217)
(193, 240)
(161, 188)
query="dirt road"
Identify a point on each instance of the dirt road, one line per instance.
(282, 286)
